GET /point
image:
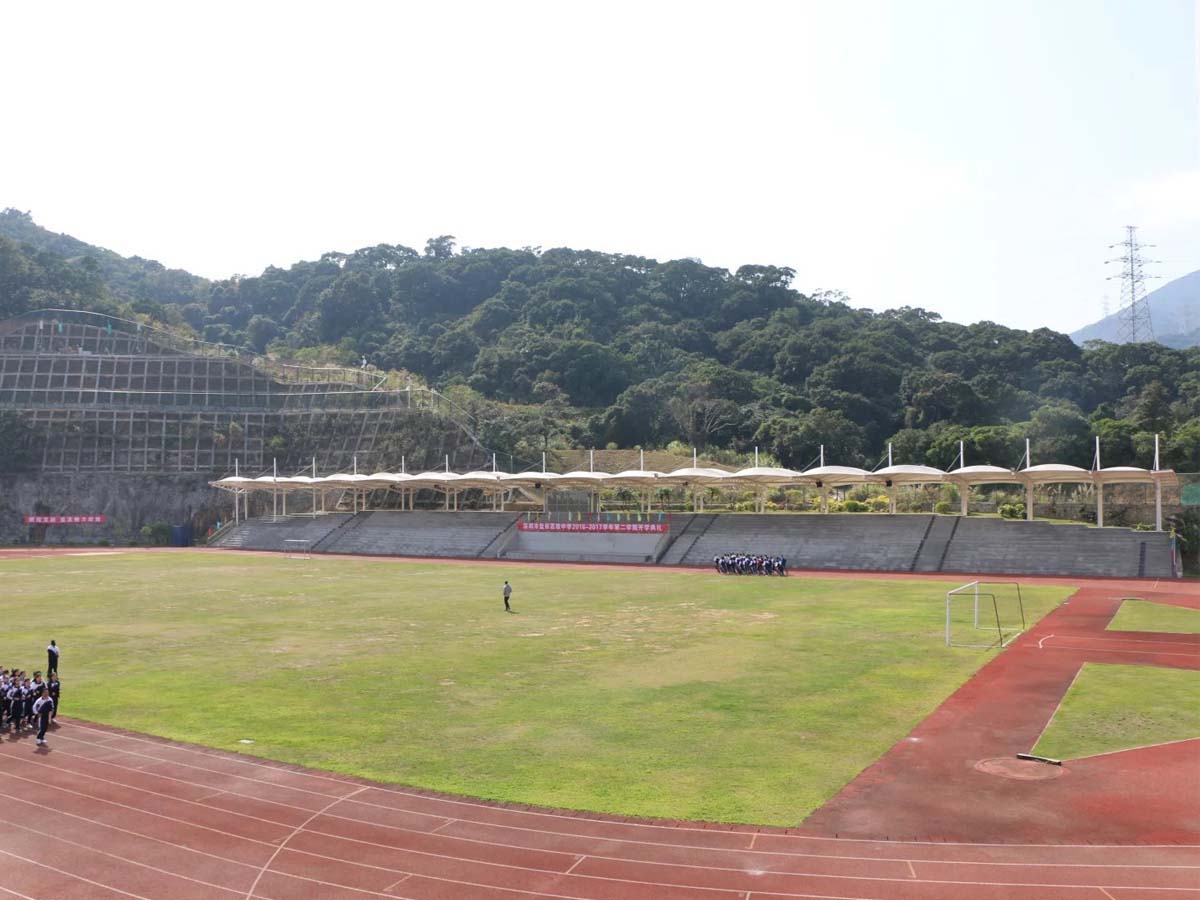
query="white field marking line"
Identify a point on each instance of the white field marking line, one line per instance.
(34, 862)
(418, 832)
(753, 837)
(557, 872)
(8, 891)
(147, 812)
(1043, 641)
(911, 870)
(276, 784)
(738, 870)
(1138, 652)
(1107, 894)
(541, 831)
(435, 798)
(1058, 705)
(197, 784)
(210, 796)
(1090, 637)
(388, 889)
(1139, 747)
(126, 859)
(295, 831)
(574, 864)
(145, 837)
(434, 831)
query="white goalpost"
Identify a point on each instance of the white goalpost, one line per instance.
(297, 548)
(984, 614)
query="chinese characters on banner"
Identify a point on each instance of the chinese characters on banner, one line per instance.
(66, 520)
(593, 527)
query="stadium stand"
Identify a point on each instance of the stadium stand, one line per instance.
(274, 534)
(845, 541)
(456, 534)
(1044, 548)
(905, 543)
(611, 548)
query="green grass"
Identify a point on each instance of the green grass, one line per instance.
(657, 692)
(1143, 615)
(1112, 708)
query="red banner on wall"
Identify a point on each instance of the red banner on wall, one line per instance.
(66, 520)
(595, 527)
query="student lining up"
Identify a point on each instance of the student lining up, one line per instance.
(28, 702)
(747, 564)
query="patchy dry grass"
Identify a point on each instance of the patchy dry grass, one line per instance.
(1145, 615)
(1112, 707)
(656, 692)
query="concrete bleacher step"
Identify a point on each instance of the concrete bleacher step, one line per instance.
(864, 542)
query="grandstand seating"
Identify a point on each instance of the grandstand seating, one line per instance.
(273, 534)
(458, 534)
(903, 543)
(837, 541)
(561, 547)
(1043, 548)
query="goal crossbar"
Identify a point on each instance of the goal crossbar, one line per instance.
(298, 547)
(984, 602)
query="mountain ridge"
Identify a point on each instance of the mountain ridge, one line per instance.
(1174, 316)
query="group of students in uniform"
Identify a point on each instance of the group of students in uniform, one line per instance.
(30, 702)
(749, 564)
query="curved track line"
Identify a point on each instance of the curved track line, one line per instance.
(284, 843)
(580, 817)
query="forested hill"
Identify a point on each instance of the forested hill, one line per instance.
(577, 348)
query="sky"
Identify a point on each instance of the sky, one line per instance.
(970, 157)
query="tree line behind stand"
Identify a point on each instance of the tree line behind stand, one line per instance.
(565, 347)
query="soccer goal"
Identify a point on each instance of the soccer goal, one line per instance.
(984, 614)
(297, 548)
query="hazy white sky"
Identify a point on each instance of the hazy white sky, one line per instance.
(972, 157)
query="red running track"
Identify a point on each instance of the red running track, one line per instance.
(110, 814)
(104, 814)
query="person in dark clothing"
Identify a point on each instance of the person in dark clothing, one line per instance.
(507, 593)
(52, 655)
(55, 690)
(43, 708)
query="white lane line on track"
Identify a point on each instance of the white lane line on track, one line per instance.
(397, 883)
(295, 831)
(124, 859)
(795, 855)
(1146, 653)
(34, 862)
(354, 821)
(549, 872)
(674, 829)
(1124, 640)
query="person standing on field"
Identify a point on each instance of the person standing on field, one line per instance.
(52, 654)
(507, 593)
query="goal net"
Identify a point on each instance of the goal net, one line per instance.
(297, 548)
(984, 614)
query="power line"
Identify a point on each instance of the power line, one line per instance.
(1134, 325)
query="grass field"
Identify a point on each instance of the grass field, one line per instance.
(1111, 707)
(657, 692)
(1143, 615)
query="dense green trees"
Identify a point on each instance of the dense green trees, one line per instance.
(579, 347)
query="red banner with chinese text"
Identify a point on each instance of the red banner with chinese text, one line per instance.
(598, 527)
(66, 520)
